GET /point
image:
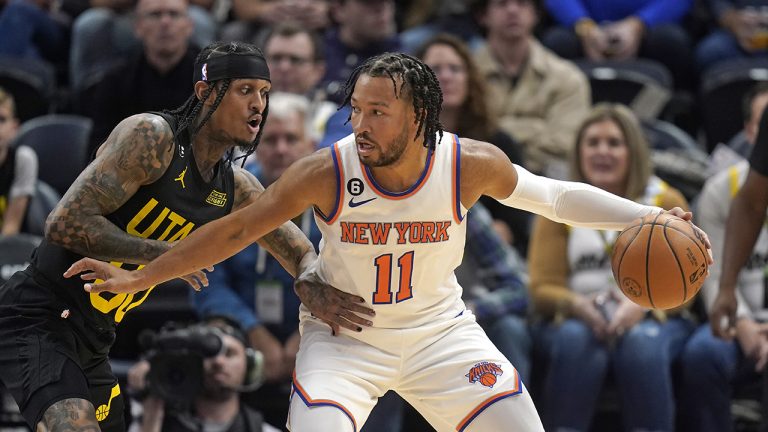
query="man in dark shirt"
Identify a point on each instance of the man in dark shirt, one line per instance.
(155, 78)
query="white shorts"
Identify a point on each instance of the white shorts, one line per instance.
(449, 371)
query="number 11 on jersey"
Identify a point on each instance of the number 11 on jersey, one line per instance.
(383, 264)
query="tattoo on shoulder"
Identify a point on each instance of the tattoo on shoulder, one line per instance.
(247, 188)
(70, 415)
(136, 153)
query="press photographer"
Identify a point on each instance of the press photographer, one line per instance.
(192, 377)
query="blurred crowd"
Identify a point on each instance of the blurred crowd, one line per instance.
(658, 101)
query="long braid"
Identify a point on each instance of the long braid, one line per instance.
(418, 81)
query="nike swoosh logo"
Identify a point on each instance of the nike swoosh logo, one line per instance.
(352, 203)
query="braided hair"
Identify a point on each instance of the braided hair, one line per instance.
(418, 81)
(187, 112)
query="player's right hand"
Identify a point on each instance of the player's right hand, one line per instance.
(722, 317)
(115, 279)
(337, 308)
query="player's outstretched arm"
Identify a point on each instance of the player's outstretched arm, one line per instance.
(287, 243)
(304, 184)
(137, 152)
(486, 170)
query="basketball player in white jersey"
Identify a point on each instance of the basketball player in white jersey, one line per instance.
(390, 201)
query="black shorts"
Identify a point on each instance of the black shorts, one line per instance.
(43, 359)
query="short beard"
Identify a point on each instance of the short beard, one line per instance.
(396, 150)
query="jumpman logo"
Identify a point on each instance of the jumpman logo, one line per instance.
(180, 178)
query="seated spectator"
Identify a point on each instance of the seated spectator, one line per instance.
(216, 406)
(623, 29)
(296, 59)
(18, 170)
(742, 32)
(255, 17)
(752, 107)
(465, 111)
(156, 77)
(588, 327)
(364, 28)
(540, 98)
(713, 367)
(32, 28)
(105, 34)
(425, 19)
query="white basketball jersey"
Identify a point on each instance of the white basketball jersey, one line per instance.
(398, 250)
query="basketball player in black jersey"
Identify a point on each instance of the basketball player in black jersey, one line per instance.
(157, 177)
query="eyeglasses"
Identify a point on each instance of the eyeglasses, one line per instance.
(293, 60)
(158, 15)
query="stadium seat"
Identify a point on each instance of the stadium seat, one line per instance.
(32, 84)
(61, 144)
(643, 85)
(41, 204)
(722, 88)
(677, 158)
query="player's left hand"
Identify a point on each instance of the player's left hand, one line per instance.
(337, 308)
(688, 217)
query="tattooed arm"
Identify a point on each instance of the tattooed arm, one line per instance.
(137, 152)
(287, 244)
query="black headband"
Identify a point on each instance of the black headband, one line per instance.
(232, 65)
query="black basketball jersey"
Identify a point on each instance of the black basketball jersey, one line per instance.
(7, 174)
(168, 210)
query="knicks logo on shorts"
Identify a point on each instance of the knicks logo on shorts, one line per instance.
(485, 373)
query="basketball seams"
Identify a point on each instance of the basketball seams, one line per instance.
(617, 276)
(648, 260)
(677, 259)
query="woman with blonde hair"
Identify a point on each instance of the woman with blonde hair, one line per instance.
(589, 329)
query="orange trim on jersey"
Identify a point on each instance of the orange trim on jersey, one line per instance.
(308, 401)
(338, 166)
(431, 156)
(488, 402)
(455, 180)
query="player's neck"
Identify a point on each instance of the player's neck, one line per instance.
(404, 173)
(207, 152)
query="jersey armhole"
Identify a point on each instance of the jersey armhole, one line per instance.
(458, 217)
(339, 174)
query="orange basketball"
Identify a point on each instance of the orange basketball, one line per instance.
(659, 261)
(488, 379)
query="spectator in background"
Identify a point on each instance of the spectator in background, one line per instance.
(296, 58)
(156, 77)
(540, 98)
(742, 32)
(622, 30)
(33, 29)
(254, 17)
(217, 407)
(364, 28)
(105, 34)
(588, 326)
(18, 170)
(752, 107)
(712, 367)
(466, 113)
(424, 19)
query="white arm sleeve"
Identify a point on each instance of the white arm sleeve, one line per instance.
(572, 203)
